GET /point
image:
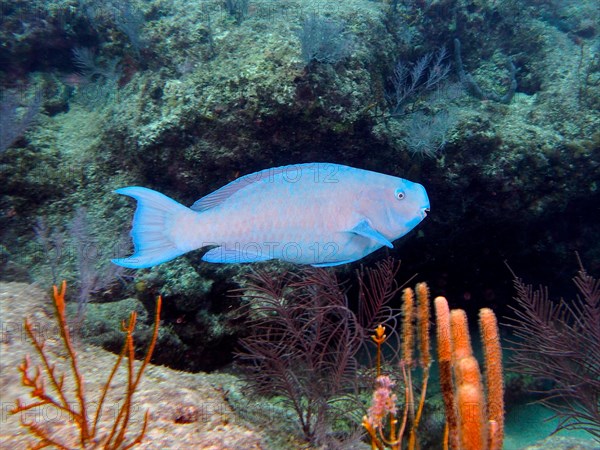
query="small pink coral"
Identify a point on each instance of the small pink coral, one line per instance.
(383, 402)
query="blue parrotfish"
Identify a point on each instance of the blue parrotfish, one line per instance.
(321, 214)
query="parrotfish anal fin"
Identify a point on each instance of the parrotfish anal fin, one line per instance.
(223, 255)
(294, 171)
(364, 229)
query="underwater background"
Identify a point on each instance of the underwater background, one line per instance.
(493, 106)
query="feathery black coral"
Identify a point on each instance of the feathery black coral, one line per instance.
(559, 341)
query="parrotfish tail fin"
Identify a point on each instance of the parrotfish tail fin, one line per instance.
(154, 230)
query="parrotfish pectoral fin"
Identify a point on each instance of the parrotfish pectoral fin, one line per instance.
(152, 228)
(364, 229)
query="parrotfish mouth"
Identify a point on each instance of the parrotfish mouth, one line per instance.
(424, 212)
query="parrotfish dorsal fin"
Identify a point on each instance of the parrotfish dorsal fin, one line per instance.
(220, 195)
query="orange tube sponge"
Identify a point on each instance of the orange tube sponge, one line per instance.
(488, 326)
(471, 405)
(444, 337)
(461, 340)
(444, 350)
(423, 323)
(408, 329)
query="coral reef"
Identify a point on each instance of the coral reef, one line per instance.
(183, 409)
(78, 409)
(186, 96)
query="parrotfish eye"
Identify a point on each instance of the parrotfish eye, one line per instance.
(400, 194)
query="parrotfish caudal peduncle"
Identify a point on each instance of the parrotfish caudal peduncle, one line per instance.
(320, 214)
